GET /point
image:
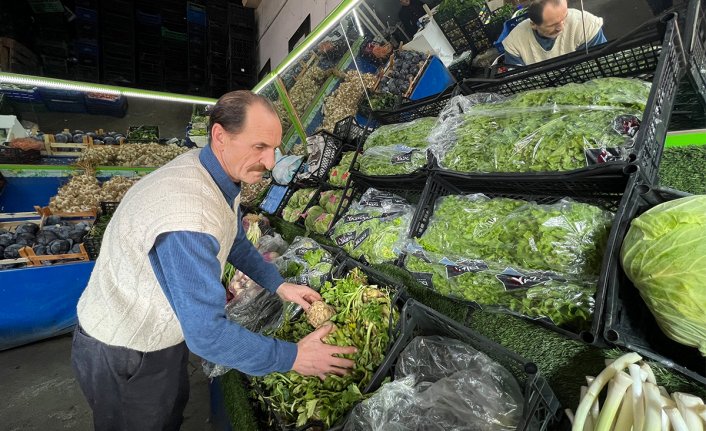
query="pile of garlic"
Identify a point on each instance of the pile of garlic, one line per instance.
(344, 101)
(81, 193)
(132, 155)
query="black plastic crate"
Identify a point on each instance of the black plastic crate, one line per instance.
(541, 408)
(653, 51)
(414, 181)
(610, 193)
(694, 41)
(428, 107)
(16, 156)
(351, 133)
(628, 321)
(332, 151)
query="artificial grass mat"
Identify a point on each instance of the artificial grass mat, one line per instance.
(562, 361)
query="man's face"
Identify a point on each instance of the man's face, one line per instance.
(404, 2)
(552, 20)
(247, 155)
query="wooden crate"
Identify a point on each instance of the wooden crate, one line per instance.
(10, 221)
(69, 149)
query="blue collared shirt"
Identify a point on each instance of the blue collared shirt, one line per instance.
(186, 267)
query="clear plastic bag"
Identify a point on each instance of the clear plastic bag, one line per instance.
(374, 228)
(566, 237)
(297, 204)
(315, 146)
(442, 384)
(557, 298)
(413, 134)
(392, 160)
(553, 129)
(305, 262)
(271, 246)
(286, 168)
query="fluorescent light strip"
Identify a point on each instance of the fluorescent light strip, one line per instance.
(87, 87)
(358, 24)
(308, 43)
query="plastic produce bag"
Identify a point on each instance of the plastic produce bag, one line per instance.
(297, 204)
(553, 129)
(442, 384)
(305, 262)
(560, 299)
(413, 134)
(338, 176)
(374, 228)
(315, 146)
(318, 220)
(392, 160)
(286, 168)
(566, 237)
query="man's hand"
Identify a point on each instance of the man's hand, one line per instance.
(315, 358)
(298, 294)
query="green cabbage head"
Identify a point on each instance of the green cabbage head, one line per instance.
(664, 255)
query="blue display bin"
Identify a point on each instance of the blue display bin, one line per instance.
(435, 79)
(274, 197)
(40, 302)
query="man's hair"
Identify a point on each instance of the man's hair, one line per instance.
(535, 9)
(231, 109)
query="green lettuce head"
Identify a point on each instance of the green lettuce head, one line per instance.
(664, 255)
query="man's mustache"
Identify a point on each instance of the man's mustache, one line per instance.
(257, 168)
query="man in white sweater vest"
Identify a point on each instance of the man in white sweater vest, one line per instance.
(156, 292)
(551, 30)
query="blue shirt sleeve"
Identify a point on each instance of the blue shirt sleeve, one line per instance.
(186, 267)
(598, 39)
(513, 59)
(244, 256)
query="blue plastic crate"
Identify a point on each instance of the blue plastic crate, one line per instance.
(195, 14)
(274, 197)
(65, 106)
(26, 96)
(434, 80)
(86, 15)
(55, 94)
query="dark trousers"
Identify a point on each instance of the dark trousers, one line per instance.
(130, 390)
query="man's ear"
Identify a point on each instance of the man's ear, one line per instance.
(217, 133)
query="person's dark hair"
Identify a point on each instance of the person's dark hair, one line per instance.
(231, 108)
(535, 10)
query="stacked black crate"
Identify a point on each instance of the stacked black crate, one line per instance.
(51, 43)
(241, 47)
(86, 52)
(150, 64)
(117, 47)
(175, 46)
(217, 40)
(196, 24)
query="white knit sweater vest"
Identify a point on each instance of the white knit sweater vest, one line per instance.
(522, 43)
(123, 304)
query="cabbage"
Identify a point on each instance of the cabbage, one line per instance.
(664, 255)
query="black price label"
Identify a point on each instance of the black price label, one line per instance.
(597, 156)
(362, 237)
(357, 218)
(454, 269)
(402, 158)
(345, 238)
(513, 279)
(303, 250)
(423, 278)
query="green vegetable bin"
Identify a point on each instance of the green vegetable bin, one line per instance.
(628, 321)
(606, 193)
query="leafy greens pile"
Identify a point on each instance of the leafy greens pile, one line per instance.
(413, 134)
(339, 174)
(297, 204)
(552, 129)
(363, 317)
(535, 260)
(374, 228)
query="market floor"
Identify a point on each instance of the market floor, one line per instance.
(39, 391)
